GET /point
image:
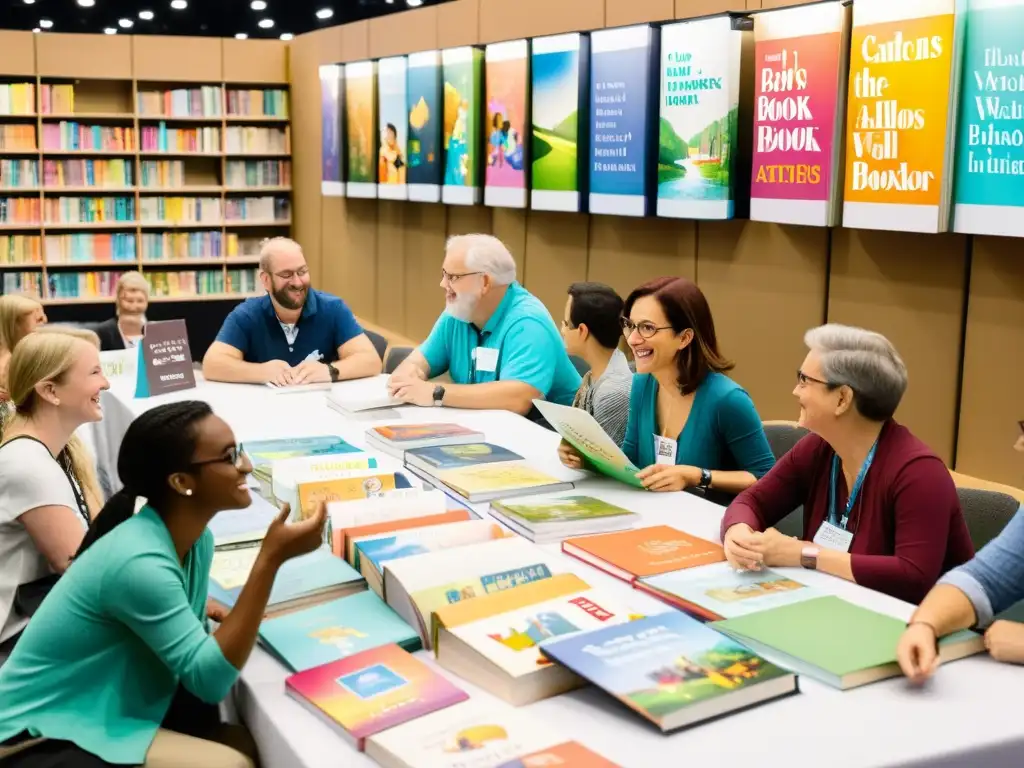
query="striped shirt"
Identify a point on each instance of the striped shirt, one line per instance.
(607, 399)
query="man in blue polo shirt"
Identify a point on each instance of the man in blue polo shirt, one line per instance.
(497, 342)
(292, 335)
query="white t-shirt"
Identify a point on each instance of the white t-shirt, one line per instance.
(29, 479)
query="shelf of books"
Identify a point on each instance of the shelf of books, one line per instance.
(179, 181)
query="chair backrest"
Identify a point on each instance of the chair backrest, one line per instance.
(986, 513)
(783, 435)
(581, 365)
(396, 356)
(379, 342)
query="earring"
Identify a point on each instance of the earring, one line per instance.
(56, 402)
(188, 491)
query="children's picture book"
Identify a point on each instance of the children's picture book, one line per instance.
(361, 486)
(672, 669)
(373, 691)
(436, 459)
(568, 754)
(288, 473)
(543, 520)
(396, 439)
(262, 453)
(630, 555)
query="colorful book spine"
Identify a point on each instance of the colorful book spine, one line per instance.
(162, 173)
(87, 247)
(271, 102)
(88, 173)
(182, 210)
(258, 173)
(18, 138)
(20, 210)
(205, 101)
(73, 285)
(159, 246)
(19, 174)
(89, 210)
(20, 249)
(57, 99)
(17, 98)
(254, 139)
(29, 283)
(161, 138)
(68, 135)
(257, 209)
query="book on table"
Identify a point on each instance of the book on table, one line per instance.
(634, 554)
(298, 389)
(434, 459)
(243, 527)
(372, 691)
(358, 396)
(396, 439)
(344, 543)
(672, 669)
(834, 641)
(543, 520)
(479, 734)
(288, 473)
(263, 453)
(358, 484)
(493, 641)
(333, 630)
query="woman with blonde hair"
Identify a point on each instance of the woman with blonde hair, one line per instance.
(19, 316)
(125, 329)
(47, 481)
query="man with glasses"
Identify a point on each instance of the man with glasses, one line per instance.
(496, 341)
(294, 334)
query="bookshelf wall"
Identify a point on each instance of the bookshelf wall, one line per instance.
(167, 155)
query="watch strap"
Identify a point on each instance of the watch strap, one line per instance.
(438, 395)
(705, 479)
(809, 557)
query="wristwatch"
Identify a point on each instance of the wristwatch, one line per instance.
(438, 396)
(809, 557)
(335, 376)
(705, 479)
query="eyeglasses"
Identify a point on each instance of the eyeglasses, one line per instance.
(454, 278)
(235, 456)
(803, 380)
(645, 328)
(289, 274)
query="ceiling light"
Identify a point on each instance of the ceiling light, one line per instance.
(266, 23)
(87, 3)
(258, 5)
(146, 15)
(413, 3)
(37, 30)
(325, 13)
(389, 2)
(125, 23)
(29, 2)
(241, 36)
(287, 36)
(179, 5)
(45, 23)
(110, 31)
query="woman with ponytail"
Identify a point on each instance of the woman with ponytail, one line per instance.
(93, 679)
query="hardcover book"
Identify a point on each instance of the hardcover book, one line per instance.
(435, 459)
(568, 754)
(396, 439)
(262, 453)
(630, 555)
(543, 520)
(500, 480)
(363, 486)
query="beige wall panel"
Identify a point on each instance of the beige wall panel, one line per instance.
(95, 56)
(993, 366)
(17, 53)
(509, 226)
(458, 23)
(178, 59)
(405, 32)
(621, 12)
(424, 252)
(391, 296)
(536, 18)
(908, 287)
(331, 252)
(766, 286)
(255, 61)
(690, 9)
(626, 252)
(556, 256)
(469, 219)
(355, 40)
(358, 253)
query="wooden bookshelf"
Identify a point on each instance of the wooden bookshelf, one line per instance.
(107, 75)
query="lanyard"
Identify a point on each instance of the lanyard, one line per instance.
(833, 515)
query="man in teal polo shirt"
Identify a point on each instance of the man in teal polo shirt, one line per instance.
(497, 342)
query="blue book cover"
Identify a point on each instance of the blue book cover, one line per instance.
(443, 457)
(331, 631)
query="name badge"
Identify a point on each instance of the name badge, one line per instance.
(664, 450)
(833, 537)
(486, 359)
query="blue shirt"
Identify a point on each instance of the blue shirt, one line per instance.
(325, 324)
(103, 656)
(994, 579)
(530, 349)
(723, 430)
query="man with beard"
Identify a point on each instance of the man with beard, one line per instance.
(292, 335)
(497, 342)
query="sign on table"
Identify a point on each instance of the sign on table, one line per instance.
(165, 361)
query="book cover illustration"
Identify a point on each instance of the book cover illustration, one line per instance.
(462, 69)
(425, 118)
(561, 510)
(507, 67)
(419, 541)
(442, 457)
(568, 754)
(407, 433)
(361, 128)
(491, 478)
(393, 127)
(648, 551)
(313, 572)
(312, 494)
(262, 452)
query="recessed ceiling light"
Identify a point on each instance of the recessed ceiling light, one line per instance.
(413, 3)
(389, 2)
(179, 5)
(287, 36)
(45, 23)
(266, 23)
(241, 36)
(87, 3)
(325, 13)
(146, 15)
(258, 5)
(29, 2)
(125, 23)
(110, 31)
(37, 30)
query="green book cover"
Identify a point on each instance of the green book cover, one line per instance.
(561, 510)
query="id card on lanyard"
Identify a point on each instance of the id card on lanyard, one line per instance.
(834, 533)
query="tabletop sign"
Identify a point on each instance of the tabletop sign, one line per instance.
(903, 59)
(361, 128)
(989, 183)
(165, 361)
(800, 98)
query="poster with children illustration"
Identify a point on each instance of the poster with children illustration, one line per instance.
(507, 74)
(462, 69)
(361, 128)
(393, 127)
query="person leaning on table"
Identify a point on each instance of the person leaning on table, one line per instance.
(126, 328)
(879, 505)
(970, 596)
(495, 339)
(119, 666)
(292, 335)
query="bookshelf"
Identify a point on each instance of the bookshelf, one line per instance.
(115, 156)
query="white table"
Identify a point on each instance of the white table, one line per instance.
(967, 716)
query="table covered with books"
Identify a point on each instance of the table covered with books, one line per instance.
(964, 716)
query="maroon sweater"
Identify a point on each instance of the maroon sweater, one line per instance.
(907, 522)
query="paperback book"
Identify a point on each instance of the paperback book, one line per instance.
(552, 519)
(359, 396)
(263, 453)
(361, 486)
(346, 539)
(630, 555)
(396, 439)
(435, 459)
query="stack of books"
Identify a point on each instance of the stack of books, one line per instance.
(396, 439)
(552, 519)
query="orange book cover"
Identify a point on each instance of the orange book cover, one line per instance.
(568, 754)
(643, 552)
(313, 493)
(343, 537)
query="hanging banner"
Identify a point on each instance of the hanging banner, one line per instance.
(393, 128)
(425, 119)
(462, 143)
(331, 163)
(507, 74)
(361, 128)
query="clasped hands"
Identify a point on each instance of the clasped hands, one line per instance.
(280, 374)
(411, 386)
(750, 550)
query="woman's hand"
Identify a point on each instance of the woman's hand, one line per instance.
(739, 545)
(661, 477)
(1005, 642)
(917, 652)
(777, 549)
(569, 456)
(215, 611)
(286, 540)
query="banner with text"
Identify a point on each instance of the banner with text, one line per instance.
(462, 94)
(426, 119)
(331, 87)
(393, 128)
(361, 128)
(165, 360)
(507, 75)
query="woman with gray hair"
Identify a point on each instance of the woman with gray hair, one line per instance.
(880, 508)
(126, 328)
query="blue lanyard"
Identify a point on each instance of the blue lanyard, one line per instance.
(833, 515)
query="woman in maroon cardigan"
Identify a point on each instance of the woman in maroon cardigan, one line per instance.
(880, 508)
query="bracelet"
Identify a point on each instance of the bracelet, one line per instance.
(930, 626)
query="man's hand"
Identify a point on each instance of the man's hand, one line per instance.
(405, 375)
(310, 372)
(413, 390)
(277, 372)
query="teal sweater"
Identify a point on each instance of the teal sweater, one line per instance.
(100, 661)
(723, 430)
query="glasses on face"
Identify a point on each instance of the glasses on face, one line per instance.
(289, 274)
(454, 278)
(803, 380)
(235, 456)
(645, 328)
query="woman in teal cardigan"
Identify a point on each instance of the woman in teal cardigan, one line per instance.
(124, 632)
(690, 425)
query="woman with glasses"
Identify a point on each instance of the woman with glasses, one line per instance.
(690, 425)
(879, 507)
(117, 662)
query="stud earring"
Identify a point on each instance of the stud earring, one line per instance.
(188, 491)
(56, 402)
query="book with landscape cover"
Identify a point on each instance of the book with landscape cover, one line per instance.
(333, 630)
(672, 669)
(373, 691)
(641, 552)
(543, 520)
(396, 439)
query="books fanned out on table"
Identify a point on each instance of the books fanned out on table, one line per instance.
(396, 439)
(301, 581)
(357, 484)
(351, 398)
(288, 473)
(479, 734)
(552, 519)
(835, 642)
(263, 453)
(582, 432)
(494, 640)
(242, 527)
(372, 691)
(672, 669)
(719, 591)
(630, 555)
(333, 630)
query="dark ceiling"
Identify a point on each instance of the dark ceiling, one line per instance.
(219, 18)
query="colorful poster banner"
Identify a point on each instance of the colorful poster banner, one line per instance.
(898, 151)
(331, 85)
(425, 118)
(800, 91)
(393, 127)
(699, 114)
(989, 183)
(621, 119)
(462, 143)
(559, 96)
(507, 72)
(361, 128)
